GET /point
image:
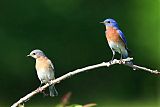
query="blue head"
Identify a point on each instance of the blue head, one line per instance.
(36, 53)
(110, 23)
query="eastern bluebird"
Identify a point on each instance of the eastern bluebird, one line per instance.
(116, 39)
(45, 69)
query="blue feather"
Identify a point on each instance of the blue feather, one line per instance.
(122, 37)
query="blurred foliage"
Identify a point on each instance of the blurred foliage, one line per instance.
(69, 33)
(65, 102)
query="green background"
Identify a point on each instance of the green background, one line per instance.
(69, 33)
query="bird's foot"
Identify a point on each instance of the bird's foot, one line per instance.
(39, 89)
(49, 82)
(111, 61)
(121, 61)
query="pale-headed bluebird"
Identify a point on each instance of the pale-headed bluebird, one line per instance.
(45, 69)
(116, 39)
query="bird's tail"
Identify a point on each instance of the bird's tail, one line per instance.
(52, 90)
(129, 63)
(124, 56)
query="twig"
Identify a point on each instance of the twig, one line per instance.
(146, 69)
(103, 64)
(90, 105)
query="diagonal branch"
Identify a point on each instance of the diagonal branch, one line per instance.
(69, 74)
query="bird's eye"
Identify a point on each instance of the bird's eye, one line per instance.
(34, 53)
(108, 22)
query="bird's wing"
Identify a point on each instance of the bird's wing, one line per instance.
(122, 37)
(51, 69)
(51, 65)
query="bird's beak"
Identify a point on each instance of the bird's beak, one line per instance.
(28, 55)
(101, 22)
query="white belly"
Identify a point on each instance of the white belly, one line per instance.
(118, 48)
(114, 46)
(43, 76)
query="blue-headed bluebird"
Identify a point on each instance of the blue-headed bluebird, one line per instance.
(45, 69)
(116, 39)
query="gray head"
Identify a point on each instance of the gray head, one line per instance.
(36, 53)
(110, 23)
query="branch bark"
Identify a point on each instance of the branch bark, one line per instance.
(69, 74)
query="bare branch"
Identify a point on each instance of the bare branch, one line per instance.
(103, 64)
(136, 67)
(90, 105)
(146, 69)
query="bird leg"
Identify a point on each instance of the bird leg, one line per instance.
(40, 84)
(121, 59)
(49, 82)
(39, 88)
(112, 56)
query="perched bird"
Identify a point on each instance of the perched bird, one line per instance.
(116, 39)
(45, 69)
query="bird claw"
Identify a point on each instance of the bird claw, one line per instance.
(121, 61)
(39, 89)
(110, 61)
(49, 82)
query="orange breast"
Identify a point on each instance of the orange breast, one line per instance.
(112, 35)
(42, 63)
